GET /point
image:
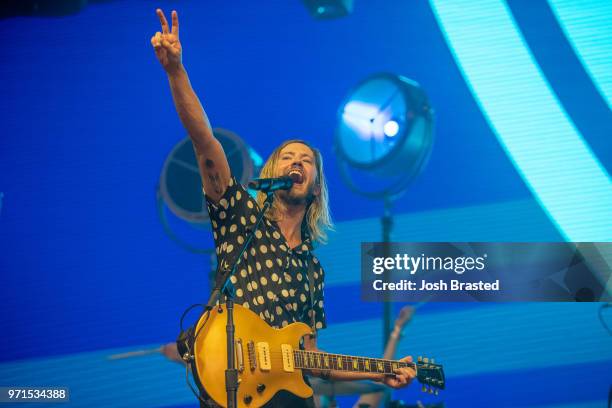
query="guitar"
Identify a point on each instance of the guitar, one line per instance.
(269, 360)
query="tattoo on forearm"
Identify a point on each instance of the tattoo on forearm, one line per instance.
(215, 179)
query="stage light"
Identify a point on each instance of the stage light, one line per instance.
(384, 135)
(328, 9)
(51, 8)
(180, 184)
(391, 128)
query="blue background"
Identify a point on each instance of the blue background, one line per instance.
(87, 121)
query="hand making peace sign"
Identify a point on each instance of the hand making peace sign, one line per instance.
(166, 44)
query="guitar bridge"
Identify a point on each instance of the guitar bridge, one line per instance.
(251, 355)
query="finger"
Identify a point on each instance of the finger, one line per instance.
(156, 40)
(410, 378)
(169, 47)
(408, 371)
(393, 383)
(175, 25)
(163, 21)
(166, 44)
(170, 37)
(406, 374)
(397, 382)
(407, 359)
(401, 378)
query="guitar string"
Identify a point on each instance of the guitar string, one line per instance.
(303, 353)
(346, 365)
(344, 356)
(347, 362)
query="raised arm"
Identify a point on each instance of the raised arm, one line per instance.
(212, 161)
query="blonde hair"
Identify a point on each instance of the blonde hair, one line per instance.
(318, 217)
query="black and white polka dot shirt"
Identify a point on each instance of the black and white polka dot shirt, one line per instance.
(271, 279)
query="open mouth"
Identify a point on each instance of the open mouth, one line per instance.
(296, 175)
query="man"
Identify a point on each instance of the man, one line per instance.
(273, 277)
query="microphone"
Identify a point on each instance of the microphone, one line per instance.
(268, 185)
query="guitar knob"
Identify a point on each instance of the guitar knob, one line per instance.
(248, 399)
(432, 361)
(423, 388)
(419, 359)
(426, 360)
(436, 392)
(260, 388)
(431, 391)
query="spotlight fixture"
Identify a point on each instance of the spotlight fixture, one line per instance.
(180, 184)
(329, 9)
(384, 135)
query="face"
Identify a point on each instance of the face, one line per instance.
(298, 161)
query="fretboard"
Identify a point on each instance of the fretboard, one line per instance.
(326, 361)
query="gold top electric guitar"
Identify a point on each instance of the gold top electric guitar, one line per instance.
(269, 360)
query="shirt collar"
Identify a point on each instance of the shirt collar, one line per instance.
(306, 245)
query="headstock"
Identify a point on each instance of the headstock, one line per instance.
(430, 374)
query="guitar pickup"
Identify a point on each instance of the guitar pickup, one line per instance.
(287, 352)
(263, 354)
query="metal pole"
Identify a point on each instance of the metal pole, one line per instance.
(231, 374)
(387, 225)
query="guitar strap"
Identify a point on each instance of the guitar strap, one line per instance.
(325, 374)
(311, 284)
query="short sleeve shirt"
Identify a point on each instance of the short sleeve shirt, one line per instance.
(271, 279)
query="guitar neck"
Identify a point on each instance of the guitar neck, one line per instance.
(325, 361)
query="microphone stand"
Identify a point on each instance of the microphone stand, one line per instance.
(226, 287)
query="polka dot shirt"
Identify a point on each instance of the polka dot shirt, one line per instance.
(271, 279)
